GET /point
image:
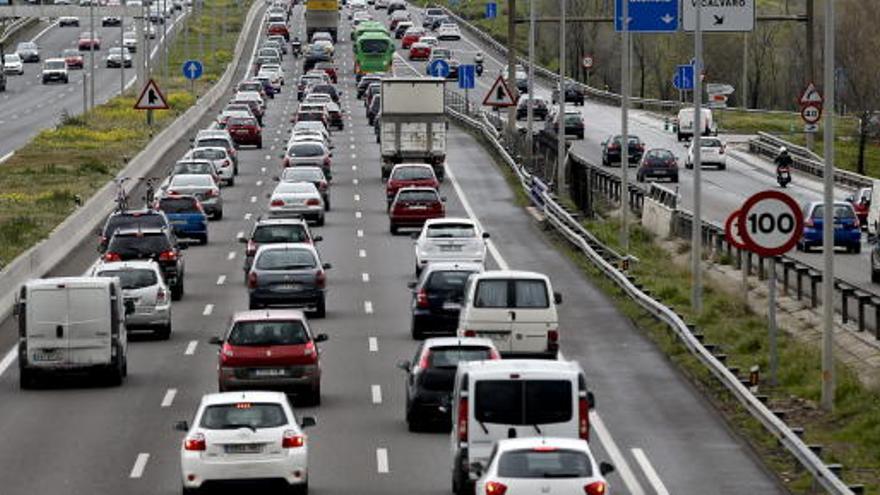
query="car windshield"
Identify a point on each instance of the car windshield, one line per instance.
(306, 150)
(441, 53)
(544, 463)
(373, 46)
(11, 57)
(242, 121)
(285, 259)
(192, 180)
(55, 64)
(448, 281)
(523, 402)
(243, 415)
(208, 142)
(412, 173)
(250, 86)
(26, 46)
(295, 187)
(179, 205)
(273, 234)
(449, 357)
(497, 294)
(710, 143)
(417, 196)
(263, 333)
(451, 230)
(193, 168)
(571, 118)
(135, 245)
(132, 278)
(661, 155)
(71, 52)
(433, 12)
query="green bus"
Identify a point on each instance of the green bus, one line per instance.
(369, 27)
(374, 52)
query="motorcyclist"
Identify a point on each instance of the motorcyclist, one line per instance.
(783, 166)
(296, 46)
(478, 63)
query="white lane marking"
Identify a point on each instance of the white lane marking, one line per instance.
(44, 31)
(365, 277)
(352, 146)
(209, 308)
(362, 253)
(354, 167)
(353, 156)
(247, 216)
(221, 280)
(139, 465)
(382, 461)
(7, 156)
(376, 392)
(268, 157)
(239, 234)
(259, 183)
(351, 137)
(231, 255)
(8, 359)
(357, 197)
(262, 170)
(360, 233)
(373, 342)
(354, 181)
(253, 199)
(502, 264)
(191, 348)
(358, 214)
(169, 397)
(632, 484)
(650, 473)
(368, 307)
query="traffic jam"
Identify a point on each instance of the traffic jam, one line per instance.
(486, 366)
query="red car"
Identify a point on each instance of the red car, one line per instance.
(245, 130)
(329, 69)
(278, 28)
(89, 41)
(411, 36)
(409, 175)
(413, 206)
(73, 58)
(420, 51)
(270, 350)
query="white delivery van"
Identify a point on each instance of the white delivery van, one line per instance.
(686, 123)
(513, 398)
(71, 324)
(516, 309)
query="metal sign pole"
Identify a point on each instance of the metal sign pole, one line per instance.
(697, 226)
(828, 221)
(92, 53)
(771, 322)
(624, 130)
(530, 116)
(560, 142)
(124, 52)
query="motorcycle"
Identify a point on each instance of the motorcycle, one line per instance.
(783, 176)
(478, 68)
(296, 49)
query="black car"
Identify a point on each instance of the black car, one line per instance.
(611, 150)
(430, 377)
(437, 297)
(131, 219)
(373, 111)
(159, 245)
(288, 275)
(365, 82)
(573, 94)
(440, 20)
(539, 108)
(275, 231)
(658, 163)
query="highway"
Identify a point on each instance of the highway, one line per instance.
(77, 438)
(27, 106)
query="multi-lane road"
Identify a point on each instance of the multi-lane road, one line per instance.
(74, 438)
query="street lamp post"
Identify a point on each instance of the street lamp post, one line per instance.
(624, 129)
(697, 226)
(828, 383)
(560, 130)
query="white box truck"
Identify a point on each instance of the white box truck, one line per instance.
(686, 123)
(413, 123)
(72, 324)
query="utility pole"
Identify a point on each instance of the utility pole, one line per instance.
(93, 39)
(530, 112)
(511, 68)
(697, 225)
(745, 71)
(624, 128)
(828, 220)
(560, 131)
(124, 52)
(165, 42)
(810, 138)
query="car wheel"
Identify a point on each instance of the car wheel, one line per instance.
(177, 291)
(413, 425)
(875, 276)
(857, 249)
(252, 304)
(393, 229)
(164, 332)
(300, 489)
(203, 239)
(320, 221)
(327, 204)
(26, 379)
(188, 491)
(231, 181)
(260, 144)
(416, 333)
(218, 215)
(674, 178)
(321, 308)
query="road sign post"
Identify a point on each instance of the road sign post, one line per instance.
(151, 98)
(828, 383)
(439, 68)
(587, 63)
(499, 95)
(192, 70)
(467, 81)
(728, 17)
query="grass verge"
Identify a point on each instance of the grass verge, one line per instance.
(41, 184)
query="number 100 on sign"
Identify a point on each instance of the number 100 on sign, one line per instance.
(770, 223)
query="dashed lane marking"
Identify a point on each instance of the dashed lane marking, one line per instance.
(360, 233)
(382, 461)
(365, 277)
(209, 308)
(376, 392)
(231, 255)
(368, 307)
(358, 214)
(373, 343)
(650, 473)
(140, 464)
(191, 348)
(8, 359)
(362, 253)
(221, 280)
(169, 397)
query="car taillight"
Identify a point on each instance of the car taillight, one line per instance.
(251, 248)
(552, 340)
(322, 185)
(320, 279)
(495, 488)
(168, 255)
(252, 280)
(493, 354)
(856, 224)
(313, 202)
(292, 440)
(463, 419)
(195, 442)
(422, 299)
(200, 207)
(583, 418)
(212, 192)
(595, 488)
(172, 192)
(722, 149)
(470, 333)
(161, 296)
(613, 146)
(112, 257)
(277, 202)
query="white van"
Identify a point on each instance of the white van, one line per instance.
(518, 398)
(71, 324)
(516, 309)
(686, 123)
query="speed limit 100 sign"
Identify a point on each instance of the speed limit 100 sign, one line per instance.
(770, 223)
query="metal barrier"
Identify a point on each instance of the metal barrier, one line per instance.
(15, 26)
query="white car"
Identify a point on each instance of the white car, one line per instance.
(12, 64)
(144, 285)
(297, 199)
(68, 20)
(308, 136)
(450, 239)
(274, 68)
(244, 435)
(311, 125)
(543, 465)
(129, 40)
(712, 152)
(274, 78)
(448, 32)
(219, 157)
(431, 41)
(325, 45)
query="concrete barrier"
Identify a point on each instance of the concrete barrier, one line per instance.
(41, 258)
(657, 218)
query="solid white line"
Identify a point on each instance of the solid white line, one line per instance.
(209, 308)
(376, 391)
(470, 212)
(374, 344)
(221, 280)
(191, 348)
(44, 31)
(365, 277)
(169, 397)
(7, 156)
(650, 473)
(362, 253)
(620, 464)
(368, 307)
(360, 233)
(8, 359)
(382, 461)
(139, 465)
(231, 255)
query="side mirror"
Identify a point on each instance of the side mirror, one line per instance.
(276, 178)
(307, 422)
(411, 285)
(215, 341)
(243, 240)
(129, 307)
(443, 198)
(321, 337)
(327, 266)
(591, 400)
(404, 365)
(605, 468)
(557, 298)
(317, 238)
(477, 468)
(485, 235)
(181, 426)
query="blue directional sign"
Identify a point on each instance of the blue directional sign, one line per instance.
(439, 68)
(192, 69)
(467, 76)
(648, 16)
(683, 80)
(491, 10)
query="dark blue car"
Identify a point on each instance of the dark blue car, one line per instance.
(847, 231)
(187, 217)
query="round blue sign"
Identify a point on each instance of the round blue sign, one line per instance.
(439, 68)
(192, 69)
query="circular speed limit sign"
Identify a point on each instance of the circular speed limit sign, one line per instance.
(770, 223)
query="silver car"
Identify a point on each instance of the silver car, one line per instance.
(143, 284)
(450, 239)
(310, 153)
(202, 186)
(297, 199)
(309, 174)
(219, 157)
(288, 275)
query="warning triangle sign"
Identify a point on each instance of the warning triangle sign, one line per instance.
(811, 96)
(151, 98)
(499, 95)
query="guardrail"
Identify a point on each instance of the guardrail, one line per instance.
(608, 262)
(15, 26)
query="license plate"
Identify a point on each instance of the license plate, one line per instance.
(243, 448)
(450, 248)
(269, 372)
(452, 306)
(418, 207)
(288, 287)
(47, 355)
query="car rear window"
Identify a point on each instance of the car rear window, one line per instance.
(215, 154)
(133, 278)
(523, 402)
(306, 150)
(245, 121)
(243, 415)
(149, 220)
(139, 244)
(263, 333)
(192, 180)
(449, 357)
(412, 173)
(844, 212)
(296, 174)
(193, 168)
(451, 230)
(417, 196)
(285, 259)
(448, 281)
(526, 293)
(218, 142)
(179, 205)
(273, 234)
(544, 463)
(255, 86)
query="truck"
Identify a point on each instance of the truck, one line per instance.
(413, 123)
(322, 15)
